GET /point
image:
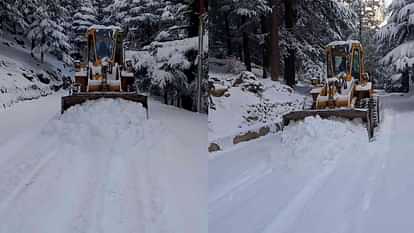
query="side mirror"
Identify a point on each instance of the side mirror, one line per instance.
(77, 64)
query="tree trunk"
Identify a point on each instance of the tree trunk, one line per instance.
(228, 37)
(265, 52)
(41, 49)
(289, 73)
(240, 51)
(246, 49)
(165, 96)
(274, 41)
(33, 46)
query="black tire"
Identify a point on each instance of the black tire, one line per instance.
(372, 105)
(374, 111)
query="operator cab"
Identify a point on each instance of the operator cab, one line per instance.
(104, 44)
(344, 59)
(101, 44)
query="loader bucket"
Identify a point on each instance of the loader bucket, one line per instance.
(69, 101)
(327, 113)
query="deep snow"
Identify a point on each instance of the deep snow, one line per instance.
(241, 109)
(102, 167)
(24, 77)
(318, 176)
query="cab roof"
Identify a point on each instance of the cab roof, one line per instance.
(341, 43)
(102, 27)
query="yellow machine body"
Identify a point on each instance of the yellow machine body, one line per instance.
(346, 91)
(104, 72)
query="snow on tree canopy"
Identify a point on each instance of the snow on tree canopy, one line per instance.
(250, 8)
(397, 35)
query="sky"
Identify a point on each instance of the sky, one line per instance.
(387, 3)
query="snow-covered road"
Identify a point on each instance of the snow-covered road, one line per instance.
(101, 167)
(319, 176)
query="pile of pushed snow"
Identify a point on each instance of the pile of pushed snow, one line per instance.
(302, 141)
(105, 125)
(245, 102)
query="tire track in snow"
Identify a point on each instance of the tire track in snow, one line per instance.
(86, 213)
(120, 210)
(250, 177)
(152, 200)
(26, 182)
(315, 188)
(379, 153)
(380, 150)
(338, 199)
(125, 192)
(20, 163)
(288, 215)
(352, 197)
(80, 189)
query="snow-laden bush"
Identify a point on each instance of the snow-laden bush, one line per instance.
(169, 69)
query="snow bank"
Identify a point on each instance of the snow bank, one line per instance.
(23, 77)
(18, 83)
(248, 104)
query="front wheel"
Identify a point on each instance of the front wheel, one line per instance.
(372, 105)
(374, 110)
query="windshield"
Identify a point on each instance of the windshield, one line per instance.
(340, 65)
(337, 65)
(104, 44)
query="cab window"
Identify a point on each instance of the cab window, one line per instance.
(356, 64)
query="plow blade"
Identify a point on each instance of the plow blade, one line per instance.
(69, 101)
(327, 113)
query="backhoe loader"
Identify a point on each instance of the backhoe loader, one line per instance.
(346, 91)
(104, 74)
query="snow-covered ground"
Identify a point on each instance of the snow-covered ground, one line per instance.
(102, 167)
(319, 176)
(247, 102)
(24, 77)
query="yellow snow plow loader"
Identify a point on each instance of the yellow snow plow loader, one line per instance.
(104, 74)
(346, 92)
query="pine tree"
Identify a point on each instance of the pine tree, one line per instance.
(56, 26)
(142, 20)
(82, 20)
(318, 22)
(101, 8)
(47, 31)
(397, 37)
(12, 19)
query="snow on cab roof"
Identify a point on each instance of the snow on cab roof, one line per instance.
(103, 27)
(347, 42)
